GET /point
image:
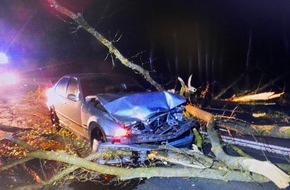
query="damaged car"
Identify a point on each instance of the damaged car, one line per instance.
(116, 112)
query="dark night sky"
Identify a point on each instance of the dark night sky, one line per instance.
(174, 34)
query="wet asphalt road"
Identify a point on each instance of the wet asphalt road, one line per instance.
(175, 184)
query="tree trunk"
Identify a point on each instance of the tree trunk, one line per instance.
(203, 167)
(266, 169)
(243, 127)
(248, 59)
(125, 174)
(199, 54)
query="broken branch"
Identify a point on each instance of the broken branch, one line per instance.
(280, 178)
(241, 126)
(126, 174)
(78, 18)
(256, 97)
(264, 168)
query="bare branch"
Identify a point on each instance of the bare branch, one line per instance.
(112, 49)
(116, 38)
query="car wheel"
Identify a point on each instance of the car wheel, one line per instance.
(54, 119)
(97, 137)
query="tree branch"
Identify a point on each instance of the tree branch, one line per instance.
(126, 174)
(252, 129)
(213, 172)
(243, 127)
(266, 169)
(78, 18)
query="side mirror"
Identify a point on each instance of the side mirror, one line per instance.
(91, 98)
(72, 97)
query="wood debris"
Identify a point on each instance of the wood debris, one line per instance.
(264, 96)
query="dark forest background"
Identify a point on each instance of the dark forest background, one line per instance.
(216, 41)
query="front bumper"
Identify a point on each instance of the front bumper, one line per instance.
(180, 137)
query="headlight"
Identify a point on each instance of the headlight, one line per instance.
(121, 132)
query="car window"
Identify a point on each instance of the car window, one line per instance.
(72, 87)
(111, 84)
(60, 88)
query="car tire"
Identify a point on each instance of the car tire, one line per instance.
(54, 119)
(97, 137)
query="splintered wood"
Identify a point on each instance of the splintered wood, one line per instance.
(264, 96)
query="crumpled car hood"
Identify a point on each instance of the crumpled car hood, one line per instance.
(139, 106)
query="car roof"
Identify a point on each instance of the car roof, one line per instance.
(89, 75)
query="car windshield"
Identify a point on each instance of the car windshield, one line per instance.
(109, 84)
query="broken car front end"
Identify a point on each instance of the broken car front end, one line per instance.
(151, 117)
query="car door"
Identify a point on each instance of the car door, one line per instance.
(60, 100)
(73, 107)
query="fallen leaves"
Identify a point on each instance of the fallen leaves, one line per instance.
(32, 115)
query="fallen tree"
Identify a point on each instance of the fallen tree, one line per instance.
(266, 169)
(194, 164)
(226, 168)
(81, 22)
(212, 170)
(242, 127)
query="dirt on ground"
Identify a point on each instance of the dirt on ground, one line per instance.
(25, 118)
(20, 114)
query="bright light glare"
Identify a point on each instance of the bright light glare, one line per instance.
(3, 58)
(50, 97)
(8, 79)
(120, 132)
